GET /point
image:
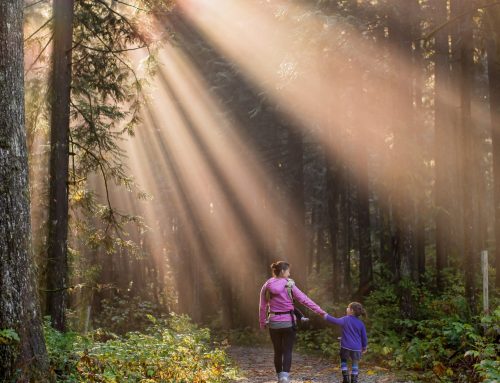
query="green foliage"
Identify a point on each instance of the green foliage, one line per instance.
(124, 313)
(486, 349)
(61, 348)
(9, 336)
(324, 341)
(171, 350)
(439, 340)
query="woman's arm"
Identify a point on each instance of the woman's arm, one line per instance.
(263, 307)
(306, 301)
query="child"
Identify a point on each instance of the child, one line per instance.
(353, 341)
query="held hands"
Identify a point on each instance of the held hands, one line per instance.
(363, 351)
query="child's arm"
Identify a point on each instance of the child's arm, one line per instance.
(364, 339)
(331, 319)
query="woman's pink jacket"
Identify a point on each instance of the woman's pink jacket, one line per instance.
(281, 302)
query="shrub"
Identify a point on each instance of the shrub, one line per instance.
(173, 350)
(124, 313)
(439, 341)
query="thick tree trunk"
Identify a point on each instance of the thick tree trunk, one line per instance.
(443, 136)
(400, 40)
(57, 248)
(494, 85)
(418, 62)
(471, 259)
(25, 360)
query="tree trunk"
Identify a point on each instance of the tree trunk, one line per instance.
(333, 192)
(295, 237)
(466, 138)
(442, 143)
(363, 213)
(400, 40)
(57, 258)
(345, 236)
(25, 360)
(418, 65)
(386, 237)
(494, 85)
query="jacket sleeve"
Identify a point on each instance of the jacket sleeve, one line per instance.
(306, 301)
(337, 321)
(263, 306)
(364, 338)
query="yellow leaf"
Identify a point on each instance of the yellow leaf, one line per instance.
(370, 372)
(439, 369)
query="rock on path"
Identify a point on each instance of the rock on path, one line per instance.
(256, 366)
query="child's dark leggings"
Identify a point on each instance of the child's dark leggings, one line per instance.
(283, 340)
(354, 356)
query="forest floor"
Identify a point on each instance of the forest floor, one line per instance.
(256, 366)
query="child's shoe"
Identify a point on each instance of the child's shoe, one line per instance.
(354, 378)
(345, 378)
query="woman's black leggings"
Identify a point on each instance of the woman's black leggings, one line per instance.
(283, 340)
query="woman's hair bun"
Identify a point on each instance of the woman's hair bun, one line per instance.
(278, 267)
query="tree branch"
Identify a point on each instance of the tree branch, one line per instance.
(34, 3)
(113, 51)
(129, 5)
(99, 163)
(39, 55)
(39, 29)
(116, 13)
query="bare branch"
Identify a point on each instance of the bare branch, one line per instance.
(39, 55)
(34, 3)
(129, 5)
(114, 51)
(39, 29)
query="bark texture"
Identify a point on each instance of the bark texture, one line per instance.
(25, 360)
(494, 84)
(57, 261)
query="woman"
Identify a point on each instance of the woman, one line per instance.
(276, 312)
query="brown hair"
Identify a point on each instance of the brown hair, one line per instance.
(357, 309)
(278, 267)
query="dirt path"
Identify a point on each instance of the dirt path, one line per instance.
(256, 365)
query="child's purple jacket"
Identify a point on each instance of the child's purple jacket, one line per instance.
(281, 302)
(353, 332)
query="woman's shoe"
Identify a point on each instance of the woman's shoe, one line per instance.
(283, 377)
